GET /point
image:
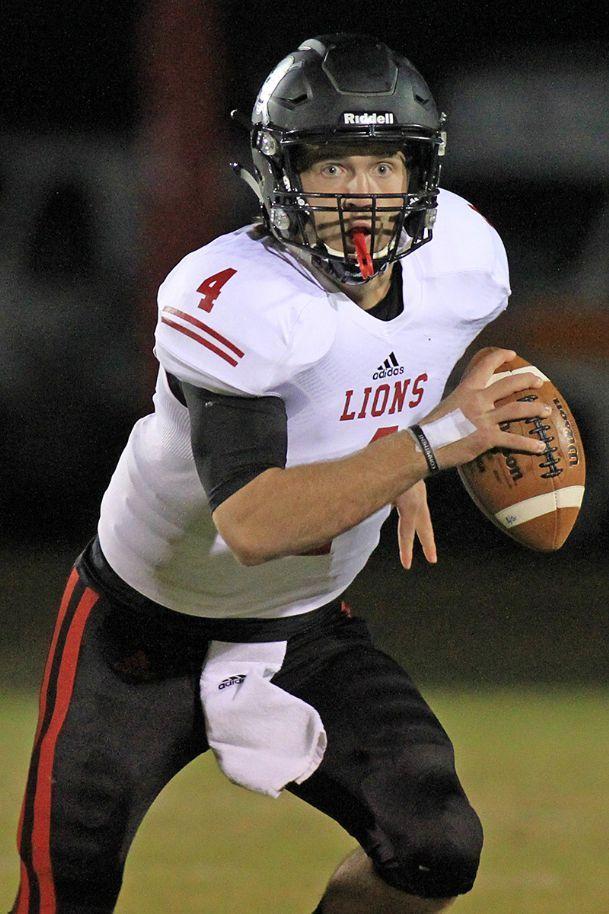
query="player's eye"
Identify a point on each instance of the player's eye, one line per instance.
(383, 169)
(331, 170)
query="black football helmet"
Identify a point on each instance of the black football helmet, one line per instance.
(348, 91)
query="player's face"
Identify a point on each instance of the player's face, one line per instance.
(356, 174)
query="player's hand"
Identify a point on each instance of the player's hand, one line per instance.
(414, 518)
(479, 399)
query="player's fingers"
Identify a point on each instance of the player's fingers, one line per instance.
(426, 536)
(527, 410)
(520, 443)
(513, 384)
(481, 367)
(406, 528)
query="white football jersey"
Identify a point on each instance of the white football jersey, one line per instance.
(243, 316)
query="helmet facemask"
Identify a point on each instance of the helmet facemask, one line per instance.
(393, 224)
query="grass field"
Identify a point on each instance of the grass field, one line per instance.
(534, 763)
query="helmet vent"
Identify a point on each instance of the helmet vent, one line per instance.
(291, 103)
(355, 68)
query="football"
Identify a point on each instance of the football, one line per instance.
(534, 498)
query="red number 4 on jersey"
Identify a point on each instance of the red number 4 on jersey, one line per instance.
(211, 287)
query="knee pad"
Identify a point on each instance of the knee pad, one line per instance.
(433, 843)
(439, 865)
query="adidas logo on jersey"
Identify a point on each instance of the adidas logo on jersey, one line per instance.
(237, 679)
(390, 367)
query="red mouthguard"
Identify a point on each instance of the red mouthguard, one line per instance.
(366, 266)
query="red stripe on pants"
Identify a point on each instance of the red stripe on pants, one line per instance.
(23, 899)
(23, 902)
(41, 833)
(65, 602)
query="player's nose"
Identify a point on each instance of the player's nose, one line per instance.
(360, 182)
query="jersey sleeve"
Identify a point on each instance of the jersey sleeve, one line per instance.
(485, 292)
(499, 275)
(238, 325)
(467, 263)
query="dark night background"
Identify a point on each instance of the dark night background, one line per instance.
(98, 99)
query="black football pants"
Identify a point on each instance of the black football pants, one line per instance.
(120, 715)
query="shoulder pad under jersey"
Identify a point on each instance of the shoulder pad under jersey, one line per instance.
(467, 249)
(238, 316)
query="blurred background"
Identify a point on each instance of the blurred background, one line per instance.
(114, 148)
(114, 163)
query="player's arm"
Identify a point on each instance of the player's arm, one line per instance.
(263, 509)
(282, 511)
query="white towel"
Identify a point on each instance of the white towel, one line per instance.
(263, 737)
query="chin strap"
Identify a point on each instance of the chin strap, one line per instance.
(249, 179)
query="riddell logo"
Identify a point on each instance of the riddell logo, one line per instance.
(365, 117)
(390, 367)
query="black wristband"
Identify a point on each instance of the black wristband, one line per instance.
(426, 447)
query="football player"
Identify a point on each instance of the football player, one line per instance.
(302, 362)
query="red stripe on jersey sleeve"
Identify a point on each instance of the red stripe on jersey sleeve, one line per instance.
(205, 327)
(199, 339)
